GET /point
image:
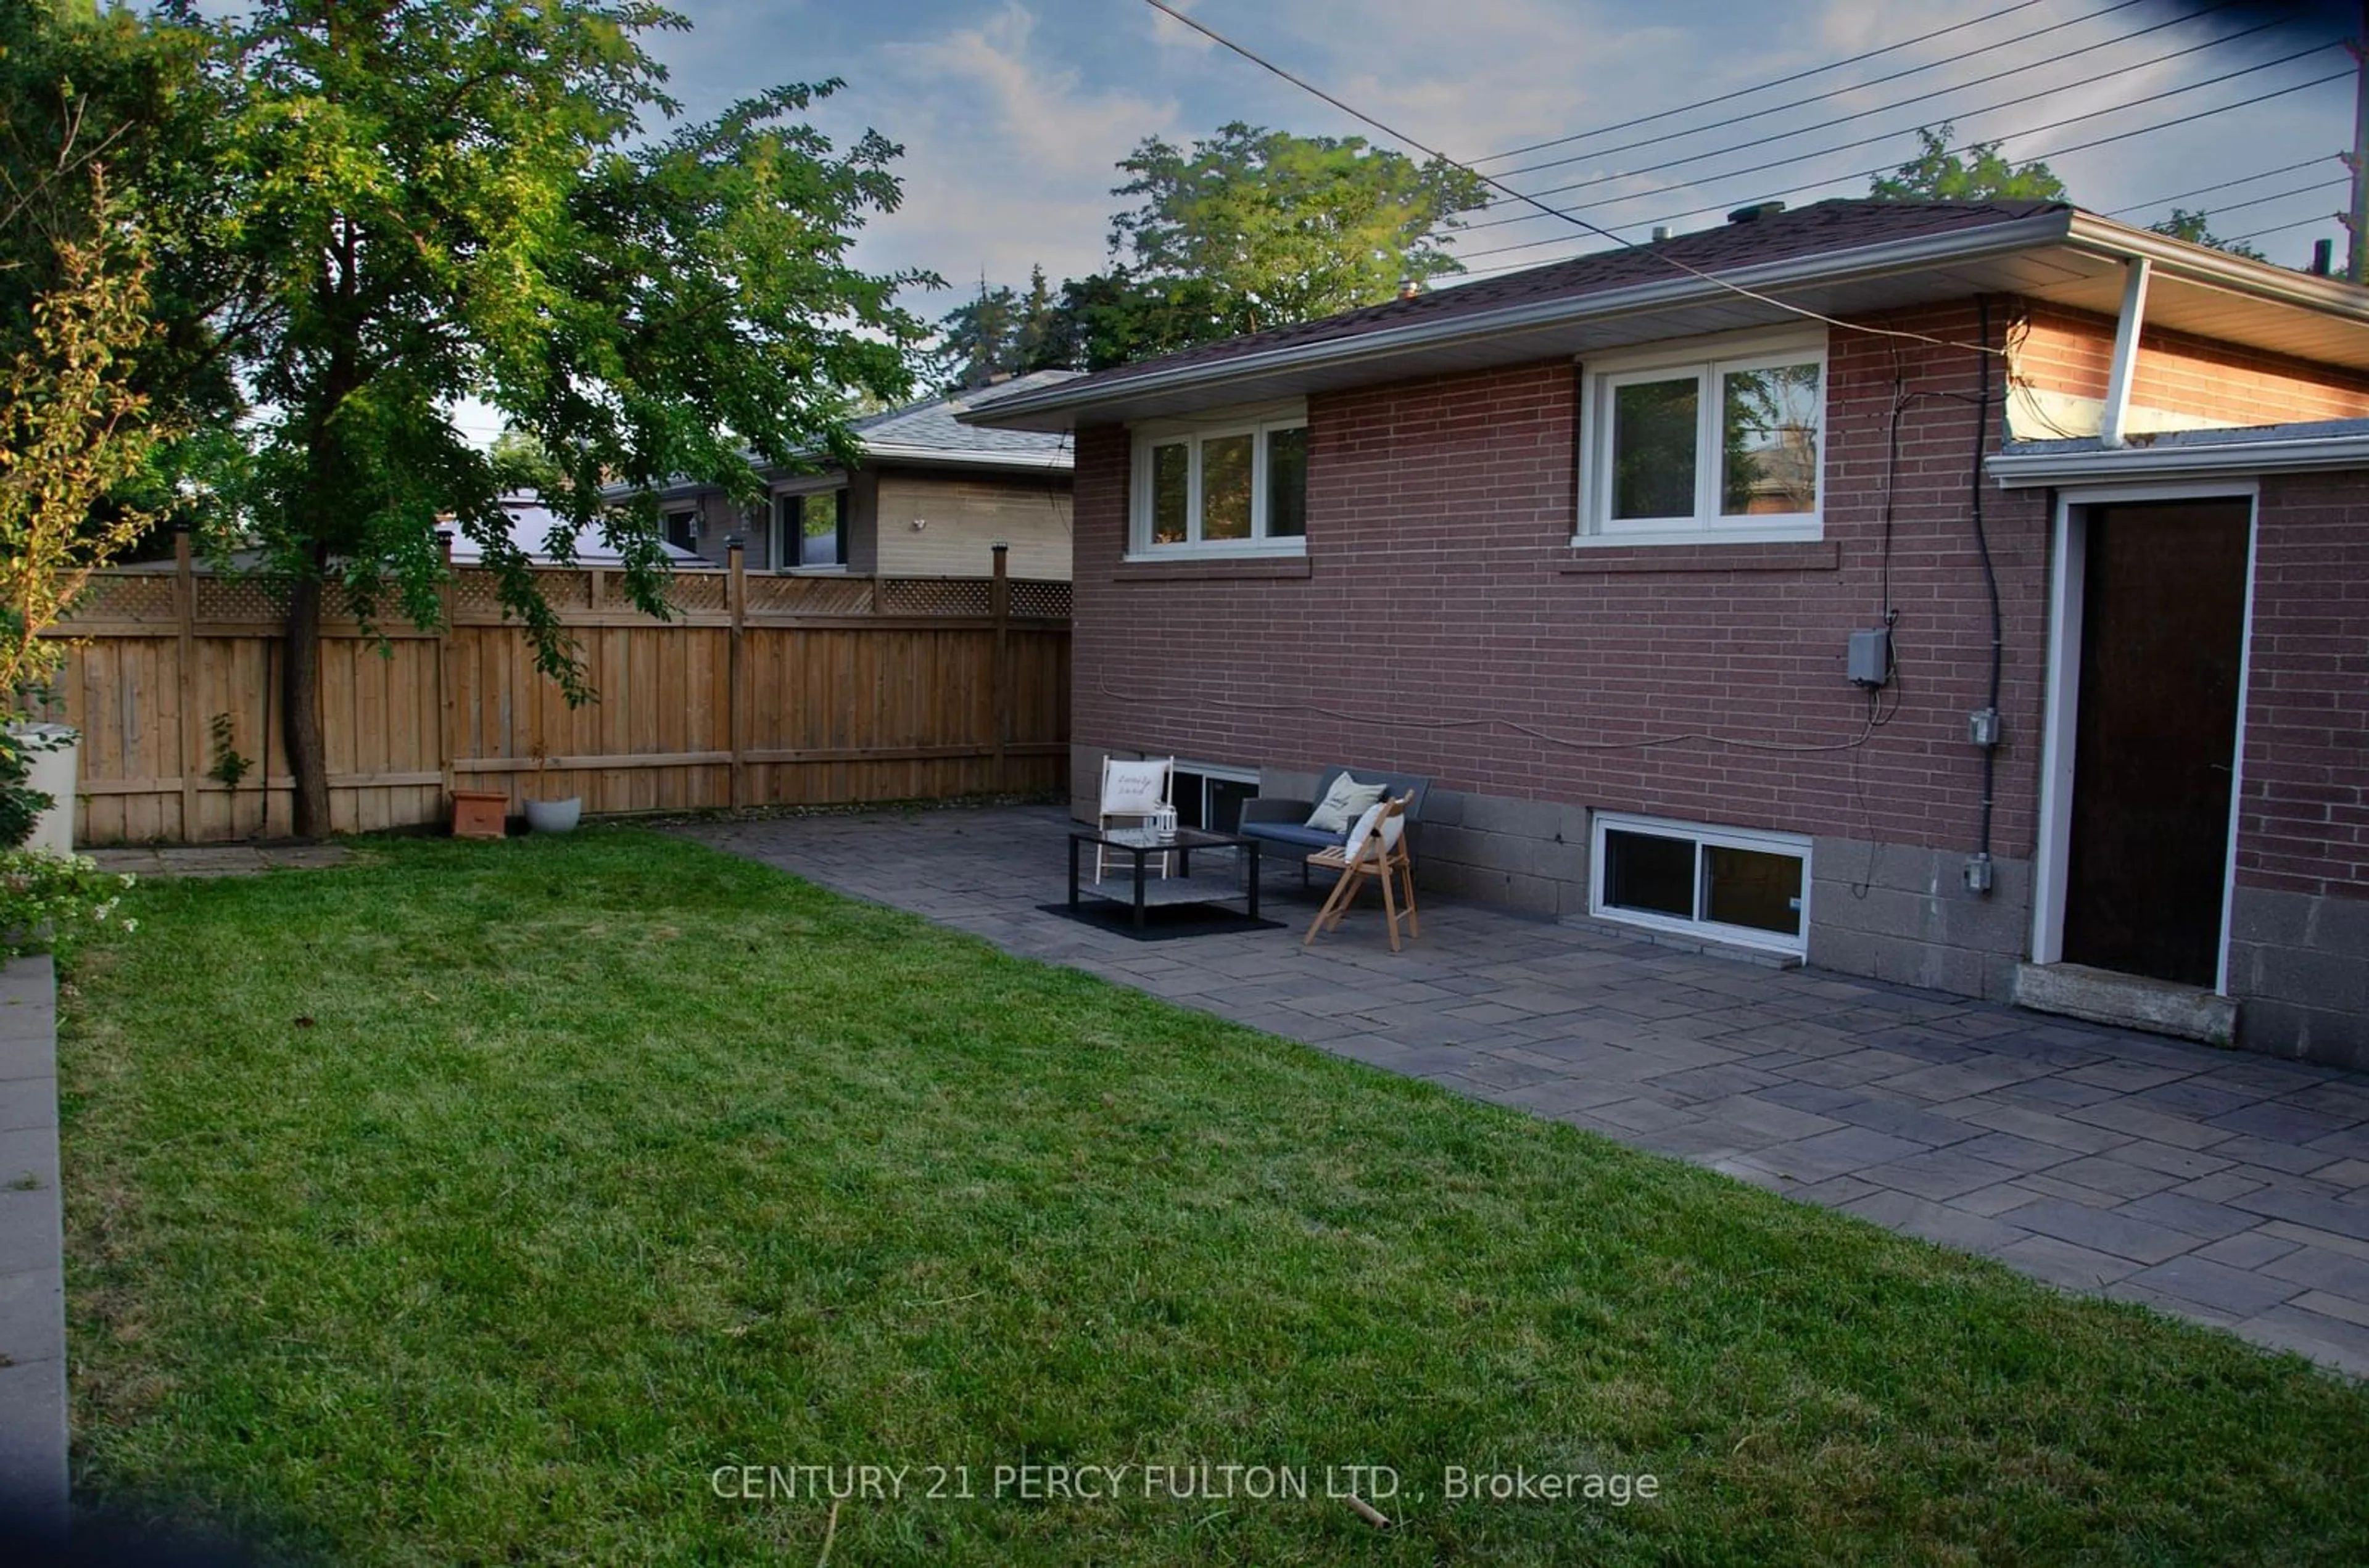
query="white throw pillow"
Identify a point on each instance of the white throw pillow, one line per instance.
(1342, 805)
(1364, 830)
(1134, 788)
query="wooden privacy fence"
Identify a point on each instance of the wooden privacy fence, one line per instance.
(760, 690)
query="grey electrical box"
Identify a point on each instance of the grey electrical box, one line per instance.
(1869, 660)
(1982, 728)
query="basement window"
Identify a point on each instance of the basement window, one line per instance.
(1728, 883)
(1211, 794)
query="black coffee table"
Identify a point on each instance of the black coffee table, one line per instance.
(1141, 845)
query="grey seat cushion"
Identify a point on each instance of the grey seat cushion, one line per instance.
(1294, 833)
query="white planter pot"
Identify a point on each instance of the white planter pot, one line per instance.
(55, 772)
(553, 816)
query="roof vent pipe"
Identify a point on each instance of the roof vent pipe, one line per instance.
(2323, 257)
(1661, 233)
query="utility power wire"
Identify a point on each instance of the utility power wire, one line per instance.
(2206, 189)
(1911, 70)
(2284, 228)
(1746, 92)
(1887, 136)
(1166, 9)
(1832, 180)
(2282, 196)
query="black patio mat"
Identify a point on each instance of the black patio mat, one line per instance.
(1161, 923)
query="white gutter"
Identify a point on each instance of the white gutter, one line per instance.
(1057, 461)
(2126, 354)
(1680, 288)
(2031, 470)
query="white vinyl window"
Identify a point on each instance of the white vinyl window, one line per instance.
(1730, 884)
(1235, 482)
(1723, 439)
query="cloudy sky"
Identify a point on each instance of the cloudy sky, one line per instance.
(1012, 112)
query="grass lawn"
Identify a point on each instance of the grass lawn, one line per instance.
(479, 1203)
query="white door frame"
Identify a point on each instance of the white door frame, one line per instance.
(2068, 557)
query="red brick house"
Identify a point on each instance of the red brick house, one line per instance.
(1592, 545)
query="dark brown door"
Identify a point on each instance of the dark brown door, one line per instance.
(2163, 618)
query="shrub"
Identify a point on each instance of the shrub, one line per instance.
(54, 900)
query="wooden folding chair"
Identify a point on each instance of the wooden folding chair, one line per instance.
(1376, 849)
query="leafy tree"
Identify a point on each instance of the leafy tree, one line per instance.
(1000, 333)
(520, 464)
(398, 203)
(979, 340)
(2191, 227)
(72, 428)
(1278, 228)
(1974, 173)
(79, 87)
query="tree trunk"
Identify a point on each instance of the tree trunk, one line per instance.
(300, 692)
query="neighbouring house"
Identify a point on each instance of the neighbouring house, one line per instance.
(932, 498)
(530, 524)
(1970, 595)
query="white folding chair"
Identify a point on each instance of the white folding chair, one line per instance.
(1132, 791)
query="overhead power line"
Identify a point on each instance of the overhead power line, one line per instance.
(1761, 87)
(1674, 263)
(1880, 169)
(2282, 196)
(2224, 185)
(1911, 70)
(2284, 228)
(1887, 136)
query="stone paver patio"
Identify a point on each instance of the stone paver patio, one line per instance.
(2224, 1187)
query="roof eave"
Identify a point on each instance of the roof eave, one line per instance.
(1828, 267)
(2218, 269)
(2034, 469)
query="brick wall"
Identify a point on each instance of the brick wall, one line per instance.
(1443, 627)
(2303, 826)
(2072, 352)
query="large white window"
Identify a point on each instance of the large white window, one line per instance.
(1232, 484)
(1734, 884)
(1718, 439)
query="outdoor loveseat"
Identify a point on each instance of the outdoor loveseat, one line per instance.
(1274, 820)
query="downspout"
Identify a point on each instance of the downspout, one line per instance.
(2126, 353)
(1978, 870)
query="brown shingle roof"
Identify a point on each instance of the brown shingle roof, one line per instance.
(1837, 226)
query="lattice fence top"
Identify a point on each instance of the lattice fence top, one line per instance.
(935, 596)
(1041, 601)
(232, 599)
(698, 591)
(473, 595)
(149, 598)
(808, 596)
(142, 595)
